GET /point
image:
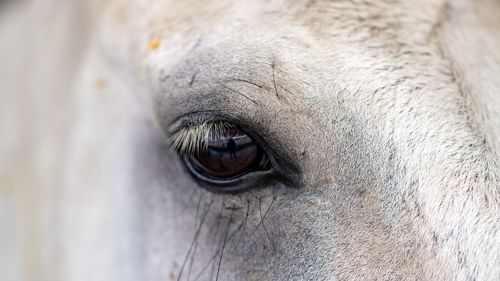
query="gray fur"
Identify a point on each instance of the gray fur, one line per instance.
(381, 119)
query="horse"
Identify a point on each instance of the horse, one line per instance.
(250, 140)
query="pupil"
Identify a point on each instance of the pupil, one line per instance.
(231, 155)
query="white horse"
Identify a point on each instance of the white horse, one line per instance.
(250, 140)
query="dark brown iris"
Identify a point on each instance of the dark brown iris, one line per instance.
(228, 156)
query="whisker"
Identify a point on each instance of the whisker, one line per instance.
(195, 239)
(246, 81)
(264, 225)
(198, 209)
(224, 246)
(231, 236)
(245, 222)
(192, 261)
(274, 80)
(239, 93)
(265, 214)
(286, 90)
(196, 244)
(206, 266)
(219, 219)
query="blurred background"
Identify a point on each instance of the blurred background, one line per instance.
(35, 120)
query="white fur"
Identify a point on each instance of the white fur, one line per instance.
(386, 111)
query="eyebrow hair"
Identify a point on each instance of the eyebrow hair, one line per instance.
(193, 139)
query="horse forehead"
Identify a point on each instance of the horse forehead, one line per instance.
(385, 25)
(389, 17)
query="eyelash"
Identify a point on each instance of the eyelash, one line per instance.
(191, 140)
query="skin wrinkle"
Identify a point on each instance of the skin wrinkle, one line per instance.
(387, 129)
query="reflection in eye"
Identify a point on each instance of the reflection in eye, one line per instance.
(230, 155)
(218, 153)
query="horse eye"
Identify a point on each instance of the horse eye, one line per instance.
(227, 157)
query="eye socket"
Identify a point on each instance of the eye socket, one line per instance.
(227, 156)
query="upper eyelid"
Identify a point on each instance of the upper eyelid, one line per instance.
(215, 94)
(191, 139)
(196, 118)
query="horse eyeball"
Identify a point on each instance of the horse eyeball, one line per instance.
(227, 156)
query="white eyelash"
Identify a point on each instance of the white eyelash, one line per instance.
(193, 140)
